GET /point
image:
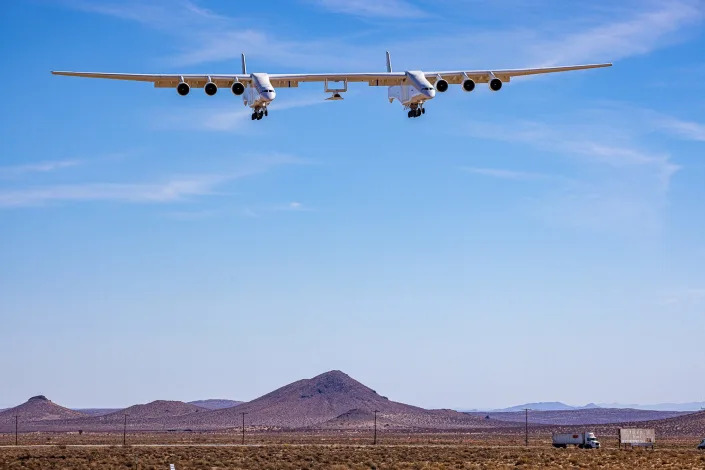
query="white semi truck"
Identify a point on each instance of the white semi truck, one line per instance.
(584, 440)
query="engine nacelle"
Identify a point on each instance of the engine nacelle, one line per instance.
(468, 84)
(441, 85)
(238, 88)
(183, 88)
(211, 88)
(495, 84)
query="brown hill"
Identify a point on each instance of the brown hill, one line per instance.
(216, 403)
(313, 402)
(581, 416)
(38, 408)
(692, 424)
(155, 410)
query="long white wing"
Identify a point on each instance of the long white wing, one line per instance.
(165, 80)
(277, 80)
(395, 78)
(292, 80)
(483, 76)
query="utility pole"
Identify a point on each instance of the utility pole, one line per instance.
(16, 420)
(124, 433)
(374, 442)
(526, 427)
(243, 427)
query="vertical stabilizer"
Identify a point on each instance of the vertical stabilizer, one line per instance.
(244, 65)
(389, 62)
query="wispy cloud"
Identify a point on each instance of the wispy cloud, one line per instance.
(685, 297)
(507, 174)
(644, 32)
(207, 36)
(171, 189)
(38, 167)
(230, 117)
(685, 129)
(158, 14)
(373, 8)
(622, 181)
(594, 140)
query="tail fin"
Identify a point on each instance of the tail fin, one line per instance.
(244, 65)
(389, 62)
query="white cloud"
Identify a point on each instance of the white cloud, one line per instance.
(172, 189)
(230, 117)
(638, 35)
(38, 167)
(685, 129)
(617, 33)
(373, 8)
(684, 297)
(158, 14)
(507, 174)
(621, 182)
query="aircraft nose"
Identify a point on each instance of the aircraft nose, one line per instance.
(271, 95)
(429, 92)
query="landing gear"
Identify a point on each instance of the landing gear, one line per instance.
(259, 113)
(416, 111)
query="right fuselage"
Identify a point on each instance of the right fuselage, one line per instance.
(414, 91)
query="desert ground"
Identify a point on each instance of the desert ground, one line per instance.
(337, 451)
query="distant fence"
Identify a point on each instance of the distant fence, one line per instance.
(637, 437)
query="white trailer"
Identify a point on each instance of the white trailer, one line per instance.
(637, 437)
(583, 440)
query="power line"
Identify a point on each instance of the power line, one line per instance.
(243, 426)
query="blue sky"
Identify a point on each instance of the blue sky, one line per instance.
(545, 242)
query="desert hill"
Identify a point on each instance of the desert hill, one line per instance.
(216, 403)
(155, 409)
(581, 416)
(327, 397)
(38, 408)
(98, 411)
(691, 424)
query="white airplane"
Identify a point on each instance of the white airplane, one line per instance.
(411, 88)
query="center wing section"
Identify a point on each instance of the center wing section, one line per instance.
(373, 79)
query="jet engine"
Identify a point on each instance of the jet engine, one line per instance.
(210, 88)
(183, 88)
(441, 85)
(238, 88)
(495, 84)
(468, 84)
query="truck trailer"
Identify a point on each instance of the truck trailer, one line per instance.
(583, 440)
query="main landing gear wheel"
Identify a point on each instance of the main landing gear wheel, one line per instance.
(416, 112)
(266, 113)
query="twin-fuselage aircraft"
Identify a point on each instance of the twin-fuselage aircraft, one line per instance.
(411, 88)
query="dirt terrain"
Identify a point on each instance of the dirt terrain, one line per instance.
(344, 457)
